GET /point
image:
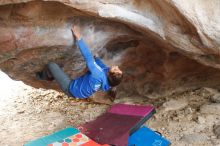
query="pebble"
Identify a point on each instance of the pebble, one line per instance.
(211, 90)
(213, 108)
(194, 138)
(175, 105)
(201, 120)
(163, 129)
(184, 128)
(188, 110)
(21, 111)
(38, 111)
(213, 137)
(216, 130)
(216, 98)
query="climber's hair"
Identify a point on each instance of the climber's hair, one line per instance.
(114, 79)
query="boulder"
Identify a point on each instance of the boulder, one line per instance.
(162, 46)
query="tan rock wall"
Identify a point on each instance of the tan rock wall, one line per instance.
(162, 46)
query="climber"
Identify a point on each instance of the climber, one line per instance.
(98, 76)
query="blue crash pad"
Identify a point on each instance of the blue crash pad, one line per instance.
(146, 137)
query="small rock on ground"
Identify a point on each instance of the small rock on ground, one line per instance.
(213, 108)
(216, 130)
(175, 105)
(216, 98)
(194, 138)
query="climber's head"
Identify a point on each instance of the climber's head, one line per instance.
(115, 76)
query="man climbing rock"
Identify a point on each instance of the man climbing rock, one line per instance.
(98, 77)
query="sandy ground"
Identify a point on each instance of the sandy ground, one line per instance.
(26, 113)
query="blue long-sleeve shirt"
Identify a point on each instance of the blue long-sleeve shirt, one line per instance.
(95, 79)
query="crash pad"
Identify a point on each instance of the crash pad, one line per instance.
(66, 137)
(147, 137)
(120, 121)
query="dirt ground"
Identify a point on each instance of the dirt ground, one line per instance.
(186, 119)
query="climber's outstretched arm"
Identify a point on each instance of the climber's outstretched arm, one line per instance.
(86, 53)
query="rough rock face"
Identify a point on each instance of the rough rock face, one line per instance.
(162, 46)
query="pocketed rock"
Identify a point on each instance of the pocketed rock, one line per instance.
(175, 105)
(213, 108)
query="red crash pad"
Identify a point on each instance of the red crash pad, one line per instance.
(115, 126)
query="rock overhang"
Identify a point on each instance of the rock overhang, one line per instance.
(159, 48)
